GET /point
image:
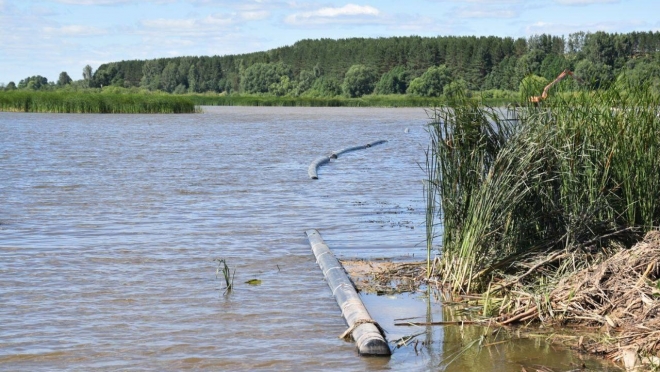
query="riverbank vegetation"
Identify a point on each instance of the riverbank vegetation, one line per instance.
(541, 204)
(372, 100)
(395, 71)
(97, 102)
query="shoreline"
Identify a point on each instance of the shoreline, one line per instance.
(624, 330)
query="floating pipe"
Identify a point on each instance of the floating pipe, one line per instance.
(312, 170)
(376, 143)
(365, 331)
(336, 154)
(315, 164)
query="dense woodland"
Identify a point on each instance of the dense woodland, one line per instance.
(423, 66)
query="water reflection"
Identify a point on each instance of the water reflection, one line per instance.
(465, 347)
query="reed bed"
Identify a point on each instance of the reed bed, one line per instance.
(302, 101)
(540, 206)
(94, 102)
(521, 190)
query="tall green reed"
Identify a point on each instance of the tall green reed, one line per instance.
(93, 102)
(539, 178)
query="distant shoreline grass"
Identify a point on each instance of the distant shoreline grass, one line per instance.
(118, 100)
(84, 102)
(265, 100)
(392, 101)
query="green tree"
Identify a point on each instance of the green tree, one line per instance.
(33, 82)
(394, 81)
(456, 88)
(553, 65)
(105, 77)
(325, 87)
(151, 71)
(260, 76)
(359, 80)
(597, 75)
(599, 48)
(192, 80)
(530, 63)
(64, 79)
(431, 83)
(168, 78)
(305, 82)
(503, 75)
(282, 88)
(640, 74)
(532, 85)
(87, 76)
(483, 62)
(11, 86)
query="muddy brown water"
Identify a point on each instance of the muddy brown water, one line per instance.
(110, 225)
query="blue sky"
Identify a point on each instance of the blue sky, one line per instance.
(45, 37)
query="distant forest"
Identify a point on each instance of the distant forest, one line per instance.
(424, 66)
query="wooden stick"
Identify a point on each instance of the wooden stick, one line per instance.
(520, 316)
(458, 322)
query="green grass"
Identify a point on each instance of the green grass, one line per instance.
(122, 100)
(393, 100)
(63, 101)
(557, 177)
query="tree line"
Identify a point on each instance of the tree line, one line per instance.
(424, 66)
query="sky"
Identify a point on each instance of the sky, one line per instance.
(46, 37)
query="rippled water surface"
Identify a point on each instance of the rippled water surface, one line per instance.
(110, 225)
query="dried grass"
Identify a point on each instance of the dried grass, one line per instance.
(385, 277)
(619, 297)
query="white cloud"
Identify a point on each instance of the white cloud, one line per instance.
(217, 20)
(349, 13)
(565, 29)
(346, 10)
(109, 2)
(255, 15)
(74, 30)
(93, 2)
(421, 25)
(484, 12)
(584, 2)
(491, 2)
(169, 23)
(245, 5)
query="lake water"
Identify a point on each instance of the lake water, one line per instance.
(110, 226)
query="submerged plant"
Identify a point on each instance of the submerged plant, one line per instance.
(227, 274)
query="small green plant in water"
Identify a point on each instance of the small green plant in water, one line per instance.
(253, 282)
(227, 274)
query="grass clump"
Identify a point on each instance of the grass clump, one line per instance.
(227, 274)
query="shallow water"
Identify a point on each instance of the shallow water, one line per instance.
(110, 225)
